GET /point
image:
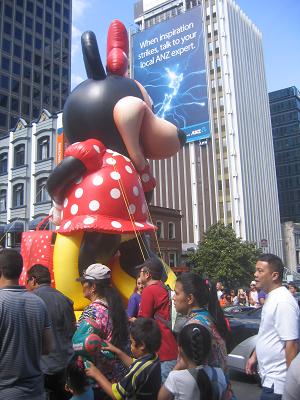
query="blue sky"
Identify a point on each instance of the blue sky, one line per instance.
(278, 21)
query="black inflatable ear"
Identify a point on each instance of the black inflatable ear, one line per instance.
(92, 60)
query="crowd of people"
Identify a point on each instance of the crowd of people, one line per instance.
(142, 354)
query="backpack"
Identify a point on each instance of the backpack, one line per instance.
(177, 320)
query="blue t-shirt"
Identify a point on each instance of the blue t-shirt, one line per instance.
(133, 305)
(87, 395)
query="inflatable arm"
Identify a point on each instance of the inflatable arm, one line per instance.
(63, 176)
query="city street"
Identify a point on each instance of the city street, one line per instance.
(245, 387)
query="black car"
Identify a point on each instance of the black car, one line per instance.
(244, 324)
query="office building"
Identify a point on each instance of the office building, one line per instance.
(285, 117)
(230, 175)
(35, 58)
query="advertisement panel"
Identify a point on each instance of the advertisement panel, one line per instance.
(168, 59)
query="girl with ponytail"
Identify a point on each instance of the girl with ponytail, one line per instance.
(196, 299)
(195, 379)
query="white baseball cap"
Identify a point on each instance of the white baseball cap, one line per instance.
(253, 283)
(95, 272)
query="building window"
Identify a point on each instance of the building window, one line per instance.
(3, 100)
(171, 230)
(18, 195)
(172, 260)
(19, 157)
(3, 119)
(160, 229)
(6, 45)
(5, 63)
(41, 191)
(4, 82)
(15, 239)
(15, 104)
(15, 86)
(3, 196)
(43, 148)
(3, 163)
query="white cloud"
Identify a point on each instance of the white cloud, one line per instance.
(79, 7)
(76, 33)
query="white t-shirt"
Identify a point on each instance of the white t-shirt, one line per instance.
(183, 385)
(279, 323)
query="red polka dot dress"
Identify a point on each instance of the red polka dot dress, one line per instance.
(109, 197)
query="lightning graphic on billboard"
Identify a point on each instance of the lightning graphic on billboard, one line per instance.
(174, 84)
(169, 62)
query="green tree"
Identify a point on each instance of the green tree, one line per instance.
(222, 256)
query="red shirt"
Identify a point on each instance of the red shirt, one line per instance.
(155, 300)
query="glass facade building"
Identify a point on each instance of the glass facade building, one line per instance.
(35, 58)
(285, 116)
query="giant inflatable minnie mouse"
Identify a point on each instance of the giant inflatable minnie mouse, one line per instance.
(101, 188)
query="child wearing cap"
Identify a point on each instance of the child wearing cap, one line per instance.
(143, 380)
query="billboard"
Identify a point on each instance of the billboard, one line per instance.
(168, 60)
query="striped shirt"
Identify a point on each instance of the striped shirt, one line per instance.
(143, 380)
(23, 319)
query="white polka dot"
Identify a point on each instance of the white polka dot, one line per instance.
(88, 220)
(47, 237)
(109, 151)
(67, 225)
(139, 225)
(66, 203)
(43, 256)
(74, 209)
(128, 169)
(115, 193)
(145, 178)
(94, 205)
(116, 224)
(126, 158)
(78, 193)
(40, 250)
(110, 161)
(45, 247)
(97, 148)
(79, 180)
(98, 180)
(144, 208)
(132, 208)
(135, 190)
(115, 175)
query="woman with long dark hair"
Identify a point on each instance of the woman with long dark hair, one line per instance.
(196, 299)
(108, 316)
(195, 379)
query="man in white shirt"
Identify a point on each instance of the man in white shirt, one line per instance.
(277, 341)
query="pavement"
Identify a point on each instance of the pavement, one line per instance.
(245, 387)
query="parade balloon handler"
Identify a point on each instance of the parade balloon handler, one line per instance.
(102, 186)
(106, 318)
(143, 380)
